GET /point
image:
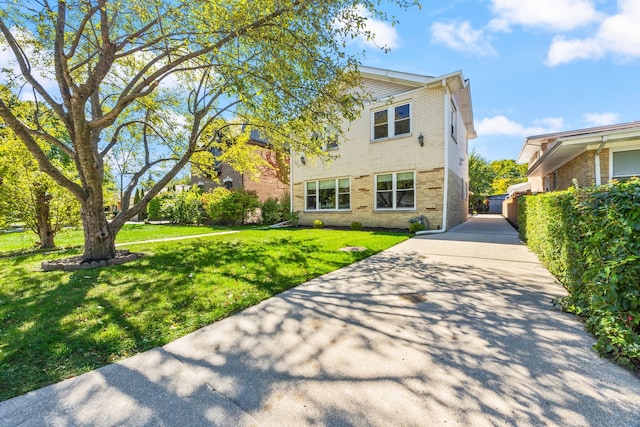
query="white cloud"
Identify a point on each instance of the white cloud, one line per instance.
(384, 34)
(559, 15)
(618, 35)
(563, 51)
(601, 119)
(461, 37)
(503, 126)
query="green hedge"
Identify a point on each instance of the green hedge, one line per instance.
(590, 240)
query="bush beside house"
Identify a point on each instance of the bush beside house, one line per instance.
(230, 207)
(590, 240)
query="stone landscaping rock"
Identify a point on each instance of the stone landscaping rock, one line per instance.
(75, 263)
(353, 249)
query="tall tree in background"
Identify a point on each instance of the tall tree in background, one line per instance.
(506, 173)
(170, 75)
(481, 177)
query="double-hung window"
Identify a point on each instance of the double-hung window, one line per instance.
(328, 194)
(396, 191)
(392, 121)
(625, 164)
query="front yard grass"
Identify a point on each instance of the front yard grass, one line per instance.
(57, 325)
(25, 241)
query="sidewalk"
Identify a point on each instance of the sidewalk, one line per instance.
(446, 329)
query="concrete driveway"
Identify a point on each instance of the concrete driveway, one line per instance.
(449, 329)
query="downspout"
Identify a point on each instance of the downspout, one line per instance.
(446, 166)
(597, 160)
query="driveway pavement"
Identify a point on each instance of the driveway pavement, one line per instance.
(453, 329)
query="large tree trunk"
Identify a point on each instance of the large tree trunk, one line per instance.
(43, 217)
(99, 240)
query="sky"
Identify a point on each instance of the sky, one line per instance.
(535, 66)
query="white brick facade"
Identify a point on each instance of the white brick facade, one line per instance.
(360, 158)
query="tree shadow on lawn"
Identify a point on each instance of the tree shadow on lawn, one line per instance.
(38, 347)
(394, 339)
(78, 321)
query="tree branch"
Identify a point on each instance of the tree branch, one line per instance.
(25, 69)
(43, 162)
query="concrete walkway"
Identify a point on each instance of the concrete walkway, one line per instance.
(448, 329)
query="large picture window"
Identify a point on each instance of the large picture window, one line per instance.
(625, 164)
(392, 121)
(395, 191)
(329, 194)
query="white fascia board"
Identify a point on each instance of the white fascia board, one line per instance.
(597, 137)
(394, 76)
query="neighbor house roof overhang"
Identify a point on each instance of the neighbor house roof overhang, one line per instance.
(563, 147)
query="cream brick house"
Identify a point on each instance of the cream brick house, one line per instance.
(406, 156)
(591, 156)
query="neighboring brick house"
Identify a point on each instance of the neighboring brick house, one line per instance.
(587, 157)
(406, 156)
(272, 181)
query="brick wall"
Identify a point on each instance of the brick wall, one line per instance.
(360, 158)
(582, 169)
(457, 203)
(272, 179)
(429, 201)
(359, 155)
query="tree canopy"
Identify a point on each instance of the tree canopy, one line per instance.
(506, 173)
(173, 78)
(491, 178)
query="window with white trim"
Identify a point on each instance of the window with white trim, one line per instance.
(396, 190)
(329, 139)
(625, 164)
(392, 121)
(332, 143)
(328, 194)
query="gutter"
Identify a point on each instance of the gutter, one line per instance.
(597, 160)
(446, 166)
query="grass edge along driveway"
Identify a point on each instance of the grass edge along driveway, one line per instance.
(57, 325)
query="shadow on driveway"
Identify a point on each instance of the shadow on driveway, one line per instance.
(431, 332)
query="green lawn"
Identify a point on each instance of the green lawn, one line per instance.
(57, 325)
(21, 242)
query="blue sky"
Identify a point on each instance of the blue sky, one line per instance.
(535, 66)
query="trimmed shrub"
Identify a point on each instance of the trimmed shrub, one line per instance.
(355, 225)
(230, 207)
(154, 207)
(212, 201)
(318, 223)
(183, 207)
(416, 226)
(272, 211)
(590, 240)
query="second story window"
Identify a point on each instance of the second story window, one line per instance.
(392, 121)
(332, 143)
